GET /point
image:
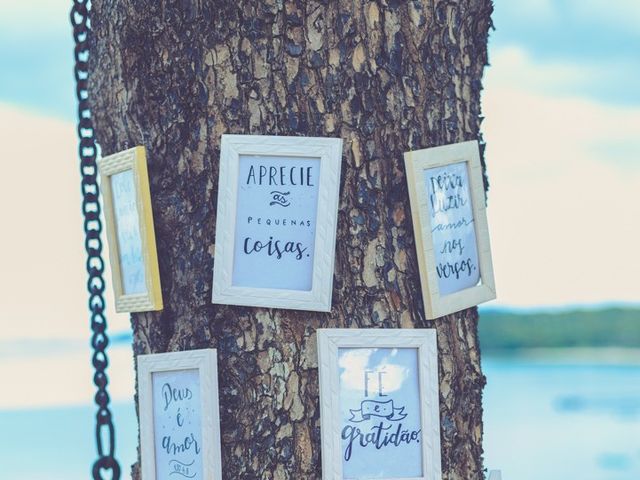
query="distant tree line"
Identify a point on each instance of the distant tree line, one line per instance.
(512, 330)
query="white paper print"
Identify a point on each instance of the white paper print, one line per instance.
(452, 227)
(125, 211)
(276, 222)
(177, 424)
(381, 427)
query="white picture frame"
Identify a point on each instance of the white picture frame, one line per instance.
(326, 155)
(456, 156)
(180, 363)
(330, 344)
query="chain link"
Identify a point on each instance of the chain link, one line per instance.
(105, 435)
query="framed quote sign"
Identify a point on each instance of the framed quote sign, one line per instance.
(276, 223)
(179, 416)
(130, 233)
(379, 411)
(450, 225)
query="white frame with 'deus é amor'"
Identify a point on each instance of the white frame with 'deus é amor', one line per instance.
(191, 426)
(340, 361)
(293, 181)
(463, 161)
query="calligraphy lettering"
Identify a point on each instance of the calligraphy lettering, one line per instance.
(173, 448)
(279, 176)
(378, 437)
(274, 247)
(447, 269)
(171, 394)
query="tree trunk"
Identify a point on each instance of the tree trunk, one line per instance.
(386, 76)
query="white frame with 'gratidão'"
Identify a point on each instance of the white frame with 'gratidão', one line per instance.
(435, 304)
(205, 361)
(329, 152)
(329, 343)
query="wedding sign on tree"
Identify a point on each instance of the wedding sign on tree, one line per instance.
(379, 404)
(276, 221)
(179, 418)
(450, 227)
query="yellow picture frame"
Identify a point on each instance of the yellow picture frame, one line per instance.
(416, 162)
(147, 296)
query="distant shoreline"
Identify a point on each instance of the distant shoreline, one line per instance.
(604, 330)
(582, 355)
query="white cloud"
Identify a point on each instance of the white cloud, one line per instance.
(355, 362)
(35, 386)
(515, 68)
(512, 67)
(42, 279)
(563, 207)
(31, 17)
(25, 10)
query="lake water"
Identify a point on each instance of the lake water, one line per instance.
(543, 420)
(559, 421)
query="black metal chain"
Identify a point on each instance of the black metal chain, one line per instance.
(105, 434)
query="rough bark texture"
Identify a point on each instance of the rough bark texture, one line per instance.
(386, 76)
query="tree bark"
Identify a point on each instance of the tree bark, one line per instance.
(386, 76)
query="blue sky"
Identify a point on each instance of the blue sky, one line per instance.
(562, 108)
(37, 72)
(37, 62)
(601, 37)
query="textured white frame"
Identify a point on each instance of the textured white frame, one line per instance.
(424, 340)
(205, 361)
(329, 151)
(415, 163)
